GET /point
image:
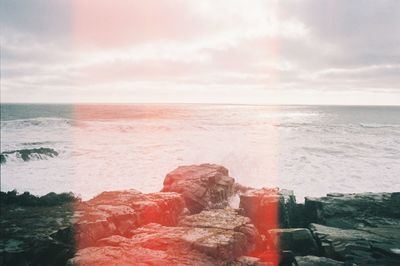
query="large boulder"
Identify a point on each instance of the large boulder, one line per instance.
(268, 208)
(204, 186)
(347, 210)
(363, 246)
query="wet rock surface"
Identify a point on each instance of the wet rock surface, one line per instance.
(190, 223)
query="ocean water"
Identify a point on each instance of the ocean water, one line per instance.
(88, 149)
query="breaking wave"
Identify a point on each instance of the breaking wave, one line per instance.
(28, 154)
(379, 125)
(36, 122)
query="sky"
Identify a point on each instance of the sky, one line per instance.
(208, 51)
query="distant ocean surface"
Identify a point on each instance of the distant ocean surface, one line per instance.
(88, 149)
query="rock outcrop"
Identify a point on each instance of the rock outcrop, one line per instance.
(190, 223)
(359, 228)
(118, 212)
(26, 231)
(152, 244)
(204, 186)
(363, 246)
(347, 210)
(208, 238)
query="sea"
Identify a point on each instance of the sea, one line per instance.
(90, 148)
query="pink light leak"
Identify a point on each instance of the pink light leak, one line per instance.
(103, 26)
(109, 24)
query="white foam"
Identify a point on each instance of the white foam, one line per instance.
(120, 154)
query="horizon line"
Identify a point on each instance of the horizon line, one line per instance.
(196, 103)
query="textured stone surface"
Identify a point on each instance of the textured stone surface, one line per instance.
(164, 208)
(25, 235)
(268, 208)
(204, 186)
(298, 240)
(366, 245)
(110, 256)
(232, 234)
(247, 261)
(212, 237)
(155, 244)
(118, 212)
(348, 210)
(318, 261)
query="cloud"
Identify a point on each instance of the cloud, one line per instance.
(155, 50)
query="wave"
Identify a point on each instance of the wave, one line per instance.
(293, 124)
(322, 150)
(364, 125)
(28, 154)
(39, 121)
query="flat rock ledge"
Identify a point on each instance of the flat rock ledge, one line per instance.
(191, 222)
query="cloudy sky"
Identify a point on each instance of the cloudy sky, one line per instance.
(215, 51)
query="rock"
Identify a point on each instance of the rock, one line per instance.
(229, 234)
(367, 245)
(348, 210)
(118, 212)
(154, 244)
(204, 186)
(212, 237)
(299, 240)
(163, 207)
(217, 243)
(268, 208)
(26, 234)
(132, 228)
(318, 261)
(246, 261)
(110, 256)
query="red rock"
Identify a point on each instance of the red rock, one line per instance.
(226, 234)
(208, 238)
(152, 244)
(118, 212)
(203, 186)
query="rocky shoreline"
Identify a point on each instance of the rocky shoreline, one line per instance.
(195, 220)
